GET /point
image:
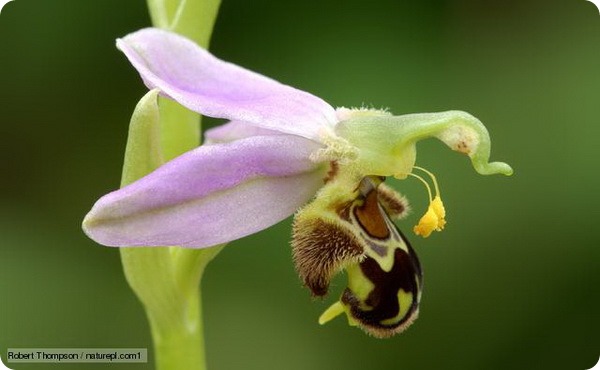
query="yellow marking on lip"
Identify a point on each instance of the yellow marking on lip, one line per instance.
(332, 312)
(405, 299)
(360, 287)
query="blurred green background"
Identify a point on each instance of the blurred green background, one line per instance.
(511, 284)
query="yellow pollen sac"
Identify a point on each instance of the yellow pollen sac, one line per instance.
(427, 223)
(435, 217)
(440, 212)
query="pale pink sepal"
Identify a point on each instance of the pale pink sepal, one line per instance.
(211, 195)
(205, 84)
(235, 130)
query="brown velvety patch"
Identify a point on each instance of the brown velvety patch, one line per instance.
(394, 204)
(370, 218)
(319, 250)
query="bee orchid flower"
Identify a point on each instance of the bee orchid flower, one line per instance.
(283, 152)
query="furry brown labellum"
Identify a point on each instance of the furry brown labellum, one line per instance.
(322, 244)
(321, 247)
(354, 231)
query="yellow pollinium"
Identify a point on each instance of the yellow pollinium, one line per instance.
(440, 212)
(435, 217)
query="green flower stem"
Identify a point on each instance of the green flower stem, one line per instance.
(167, 279)
(179, 128)
(164, 279)
(182, 346)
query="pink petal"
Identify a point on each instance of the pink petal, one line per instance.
(203, 83)
(211, 195)
(235, 130)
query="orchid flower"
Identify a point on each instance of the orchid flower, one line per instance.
(285, 151)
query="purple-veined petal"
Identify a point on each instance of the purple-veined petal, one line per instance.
(205, 84)
(235, 130)
(211, 195)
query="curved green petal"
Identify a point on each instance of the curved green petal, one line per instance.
(386, 144)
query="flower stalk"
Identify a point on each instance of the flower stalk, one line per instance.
(167, 279)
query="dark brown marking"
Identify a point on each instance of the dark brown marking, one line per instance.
(406, 274)
(370, 218)
(462, 147)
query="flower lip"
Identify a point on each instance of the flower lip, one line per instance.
(203, 83)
